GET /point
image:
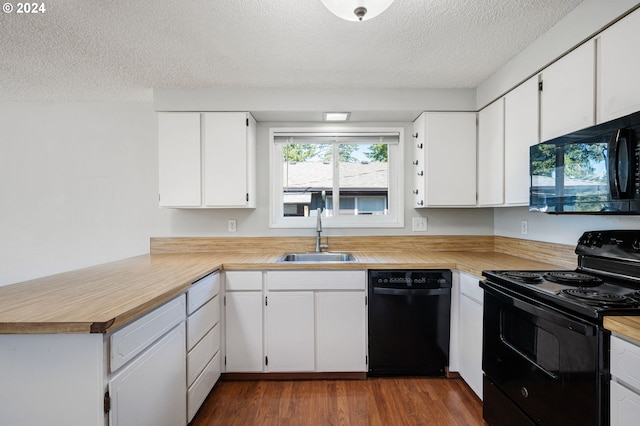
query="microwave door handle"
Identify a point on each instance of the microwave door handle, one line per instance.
(621, 163)
(614, 184)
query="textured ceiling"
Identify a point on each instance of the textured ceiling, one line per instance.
(122, 49)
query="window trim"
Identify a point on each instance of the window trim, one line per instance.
(395, 218)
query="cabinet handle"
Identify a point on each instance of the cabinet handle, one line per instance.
(415, 135)
(415, 163)
(415, 191)
(420, 203)
(421, 173)
(419, 146)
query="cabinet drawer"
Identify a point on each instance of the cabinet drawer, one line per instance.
(202, 353)
(202, 321)
(202, 386)
(243, 280)
(625, 361)
(201, 291)
(316, 280)
(625, 406)
(129, 341)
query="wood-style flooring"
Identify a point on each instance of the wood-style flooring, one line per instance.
(374, 401)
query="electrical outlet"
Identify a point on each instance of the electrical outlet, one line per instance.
(419, 224)
(232, 225)
(524, 227)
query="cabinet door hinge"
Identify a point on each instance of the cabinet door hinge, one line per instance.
(366, 360)
(247, 197)
(225, 360)
(107, 402)
(540, 86)
(266, 360)
(224, 301)
(247, 122)
(366, 300)
(265, 301)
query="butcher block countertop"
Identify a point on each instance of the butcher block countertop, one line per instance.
(102, 298)
(625, 326)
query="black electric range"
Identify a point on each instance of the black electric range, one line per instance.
(544, 344)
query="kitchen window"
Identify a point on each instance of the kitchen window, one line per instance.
(352, 175)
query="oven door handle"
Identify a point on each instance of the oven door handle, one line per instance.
(411, 292)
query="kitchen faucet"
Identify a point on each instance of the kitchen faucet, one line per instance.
(320, 246)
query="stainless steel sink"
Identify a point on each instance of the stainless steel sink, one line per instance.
(311, 257)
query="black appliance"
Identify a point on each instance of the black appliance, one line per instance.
(409, 317)
(545, 352)
(590, 171)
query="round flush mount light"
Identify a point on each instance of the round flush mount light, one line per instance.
(356, 10)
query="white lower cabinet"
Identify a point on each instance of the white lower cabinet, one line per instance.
(470, 332)
(625, 382)
(243, 321)
(150, 390)
(290, 331)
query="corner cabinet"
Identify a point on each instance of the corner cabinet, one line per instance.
(207, 160)
(444, 159)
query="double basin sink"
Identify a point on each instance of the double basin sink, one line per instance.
(318, 257)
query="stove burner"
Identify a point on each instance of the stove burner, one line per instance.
(597, 296)
(529, 277)
(573, 278)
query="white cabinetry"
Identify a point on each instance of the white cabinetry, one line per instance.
(207, 159)
(444, 159)
(203, 340)
(625, 382)
(290, 331)
(618, 64)
(521, 130)
(470, 332)
(568, 93)
(243, 321)
(491, 154)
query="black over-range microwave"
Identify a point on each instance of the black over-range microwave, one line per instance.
(590, 171)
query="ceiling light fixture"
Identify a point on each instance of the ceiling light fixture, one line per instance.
(356, 10)
(336, 116)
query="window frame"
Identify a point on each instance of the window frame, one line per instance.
(395, 218)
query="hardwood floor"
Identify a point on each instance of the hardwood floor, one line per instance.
(375, 401)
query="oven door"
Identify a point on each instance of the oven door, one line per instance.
(545, 363)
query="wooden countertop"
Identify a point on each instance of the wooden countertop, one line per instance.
(625, 326)
(102, 298)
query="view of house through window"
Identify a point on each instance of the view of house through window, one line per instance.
(358, 186)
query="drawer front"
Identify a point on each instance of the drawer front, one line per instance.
(316, 280)
(202, 291)
(243, 280)
(201, 354)
(625, 361)
(129, 341)
(202, 320)
(625, 406)
(198, 392)
(470, 287)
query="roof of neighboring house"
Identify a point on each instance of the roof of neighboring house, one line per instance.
(316, 174)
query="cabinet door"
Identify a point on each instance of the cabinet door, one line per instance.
(625, 405)
(341, 331)
(568, 93)
(179, 159)
(491, 154)
(290, 331)
(151, 389)
(226, 159)
(618, 64)
(243, 331)
(471, 343)
(521, 130)
(450, 159)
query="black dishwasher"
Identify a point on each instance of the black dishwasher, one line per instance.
(409, 317)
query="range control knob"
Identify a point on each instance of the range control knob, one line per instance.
(636, 245)
(442, 281)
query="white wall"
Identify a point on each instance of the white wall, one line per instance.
(78, 185)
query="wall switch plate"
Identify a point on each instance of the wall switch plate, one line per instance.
(524, 227)
(419, 224)
(232, 225)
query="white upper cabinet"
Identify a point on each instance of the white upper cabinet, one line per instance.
(229, 159)
(207, 159)
(568, 93)
(179, 159)
(491, 154)
(521, 130)
(618, 65)
(445, 159)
